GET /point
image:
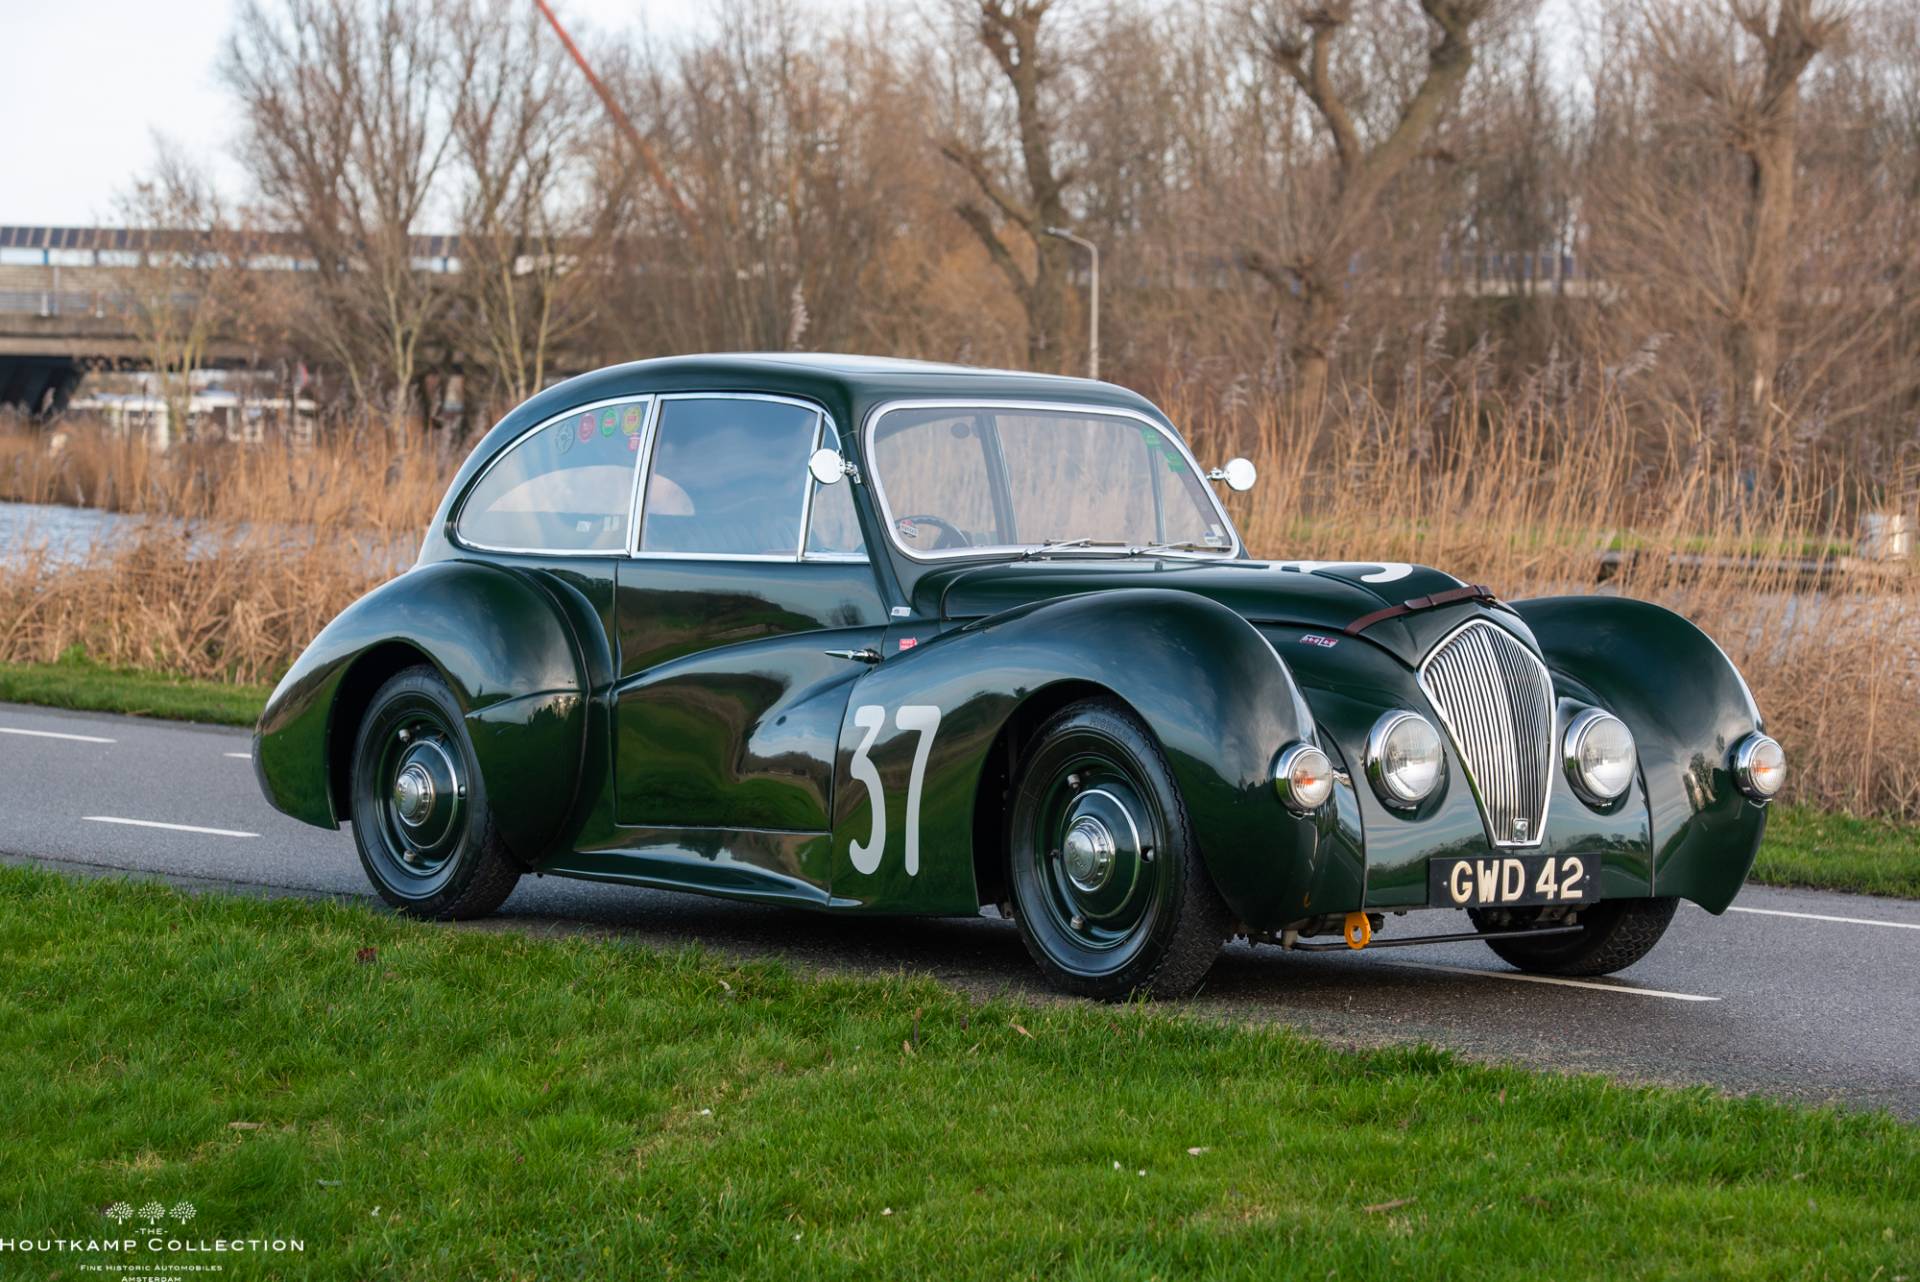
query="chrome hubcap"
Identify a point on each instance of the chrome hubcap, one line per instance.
(425, 798)
(1089, 853)
(1098, 860)
(413, 794)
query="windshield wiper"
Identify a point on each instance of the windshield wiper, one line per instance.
(1188, 546)
(1047, 547)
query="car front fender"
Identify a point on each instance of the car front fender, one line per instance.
(1208, 685)
(502, 644)
(1687, 707)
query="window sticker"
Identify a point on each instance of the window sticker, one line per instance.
(563, 436)
(586, 427)
(1157, 443)
(630, 421)
(609, 421)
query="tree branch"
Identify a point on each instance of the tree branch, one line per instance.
(971, 161)
(976, 218)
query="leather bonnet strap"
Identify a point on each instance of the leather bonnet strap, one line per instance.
(1452, 596)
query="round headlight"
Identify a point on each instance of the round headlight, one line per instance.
(1404, 758)
(1759, 766)
(1600, 756)
(1303, 776)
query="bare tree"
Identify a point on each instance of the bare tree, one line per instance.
(1011, 32)
(1300, 40)
(1754, 95)
(346, 131)
(519, 128)
(1780, 274)
(783, 142)
(186, 284)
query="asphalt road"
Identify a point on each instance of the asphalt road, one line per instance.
(1801, 994)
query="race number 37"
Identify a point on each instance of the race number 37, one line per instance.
(921, 719)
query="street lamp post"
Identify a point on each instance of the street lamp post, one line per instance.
(1093, 296)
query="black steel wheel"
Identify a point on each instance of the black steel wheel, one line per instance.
(1614, 934)
(1108, 886)
(420, 817)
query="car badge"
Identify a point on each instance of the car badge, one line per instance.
(1520, 827)
(1314, 638)
(907, 643)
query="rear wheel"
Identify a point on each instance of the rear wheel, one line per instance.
(1614, 934)
(420, 816)
(1108, 887)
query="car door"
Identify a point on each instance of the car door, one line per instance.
(745, 576)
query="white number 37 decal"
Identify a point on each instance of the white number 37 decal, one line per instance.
(921, 718)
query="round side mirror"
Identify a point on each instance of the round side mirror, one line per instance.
(1239, 474)
(827, 467)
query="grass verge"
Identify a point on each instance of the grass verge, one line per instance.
(1807, 847)
(78, 682)
(429, 1102)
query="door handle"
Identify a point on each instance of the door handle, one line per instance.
(862, 656)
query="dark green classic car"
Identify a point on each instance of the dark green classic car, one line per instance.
(876, 636)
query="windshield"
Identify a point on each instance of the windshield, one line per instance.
(961, 481)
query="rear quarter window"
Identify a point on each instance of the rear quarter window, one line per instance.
(566, 487)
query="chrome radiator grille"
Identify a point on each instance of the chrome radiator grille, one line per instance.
(1496, 699)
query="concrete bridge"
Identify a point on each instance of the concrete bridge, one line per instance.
(64, 308)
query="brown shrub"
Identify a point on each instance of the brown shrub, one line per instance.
(1531, 498)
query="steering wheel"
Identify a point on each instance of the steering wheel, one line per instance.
(951, 535)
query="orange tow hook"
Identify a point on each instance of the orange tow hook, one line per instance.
(1359, 931)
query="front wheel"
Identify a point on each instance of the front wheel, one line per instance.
(1109, 890)
(1614, 934)
(420, 816)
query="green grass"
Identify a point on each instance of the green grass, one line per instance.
(78, 682)
(1807, 847)
(430, 1102)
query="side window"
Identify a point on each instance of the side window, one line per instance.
(566, 488)
(832, 528)
(729, 478)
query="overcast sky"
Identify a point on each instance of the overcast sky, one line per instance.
(85, 83)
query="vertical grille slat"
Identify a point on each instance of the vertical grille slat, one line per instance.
(1496, 701)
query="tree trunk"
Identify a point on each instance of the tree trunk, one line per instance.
(1047, 308)
(1317, 319)
(1753, 337)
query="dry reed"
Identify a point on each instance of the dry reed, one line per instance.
(1533, 498)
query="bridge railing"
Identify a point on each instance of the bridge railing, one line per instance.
(97, 303)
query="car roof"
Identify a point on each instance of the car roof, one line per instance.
(842, 379)
(847, 385)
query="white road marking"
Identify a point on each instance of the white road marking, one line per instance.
(1555, 979)
(1850, 921)
(155, 823)
(239, 756)
(51, 734)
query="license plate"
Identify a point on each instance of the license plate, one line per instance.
(1501, 881)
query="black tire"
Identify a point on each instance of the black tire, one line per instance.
(1614, 934)
(1150, 921)
(433, 851)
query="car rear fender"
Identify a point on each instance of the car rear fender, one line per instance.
(502, 644)
(1208, 685)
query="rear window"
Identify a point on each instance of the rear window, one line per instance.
(567, 487)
